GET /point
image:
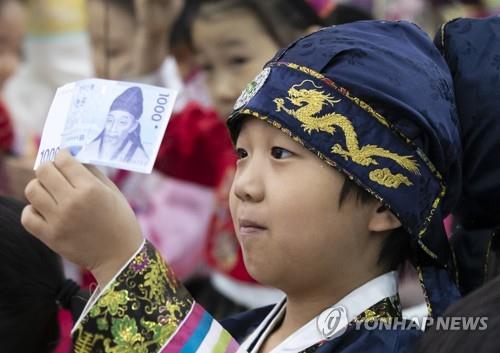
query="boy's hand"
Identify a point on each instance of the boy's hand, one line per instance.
(80, 214)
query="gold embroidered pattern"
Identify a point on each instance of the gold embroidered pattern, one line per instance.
(420, 274)
(384, 311)
(310, 103)
(141, 309)
(86, 342)
(365, 155)
(386, 178)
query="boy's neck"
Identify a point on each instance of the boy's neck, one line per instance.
(303, 306)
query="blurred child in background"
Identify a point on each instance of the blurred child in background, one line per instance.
(32, 287)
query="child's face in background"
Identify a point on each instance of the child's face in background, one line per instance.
(285, 207)
(232, 47)
(115, 51)
(12, 27)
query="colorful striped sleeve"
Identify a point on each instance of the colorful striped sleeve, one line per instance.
(145, 309)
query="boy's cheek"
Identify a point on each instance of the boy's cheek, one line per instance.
(233, 205)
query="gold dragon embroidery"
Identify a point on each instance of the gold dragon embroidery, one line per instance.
(146, 287)
(310, 103)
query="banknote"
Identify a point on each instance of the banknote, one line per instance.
(110, 123)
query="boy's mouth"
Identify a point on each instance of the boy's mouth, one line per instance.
(249, 227)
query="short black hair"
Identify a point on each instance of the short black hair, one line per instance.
(180, 33)
(31, 276)
(284, 20)
(126, 5)
(396, 247)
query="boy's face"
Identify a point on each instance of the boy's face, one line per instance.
(231, 47)
(285, 207)
(112, 51)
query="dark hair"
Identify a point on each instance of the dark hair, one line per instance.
(31, 276)
(284, 20)
(4, 2)
(396, 246)
(180, 34)
(32, 281)
(126, 5)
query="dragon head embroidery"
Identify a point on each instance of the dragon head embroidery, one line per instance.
(309, 100)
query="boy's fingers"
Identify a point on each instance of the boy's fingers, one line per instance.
(74, 172)
(34, 222)
(78, 174)
(105, 180)
(54, 182)
(40, 198)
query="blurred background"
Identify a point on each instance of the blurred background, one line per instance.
(208, 50)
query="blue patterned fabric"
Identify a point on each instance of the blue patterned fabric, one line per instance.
(472, 49)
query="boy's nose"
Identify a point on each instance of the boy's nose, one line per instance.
(248, 184)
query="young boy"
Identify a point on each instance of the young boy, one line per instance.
(373, 100)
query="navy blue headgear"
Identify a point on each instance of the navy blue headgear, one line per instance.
(375, 100)
(471, 48)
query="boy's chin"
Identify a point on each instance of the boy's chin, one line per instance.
(262, 273)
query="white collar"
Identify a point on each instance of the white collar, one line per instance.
(308, 335)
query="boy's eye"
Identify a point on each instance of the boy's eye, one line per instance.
(207, 68)
(238, 60)
(241, 153)
(114, 52)
(280, 153)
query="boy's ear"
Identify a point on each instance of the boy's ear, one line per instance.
(382, 219)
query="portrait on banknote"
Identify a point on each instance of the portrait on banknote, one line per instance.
(109, 123)
(120, 137)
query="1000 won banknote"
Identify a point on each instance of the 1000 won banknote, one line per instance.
(109, 123)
